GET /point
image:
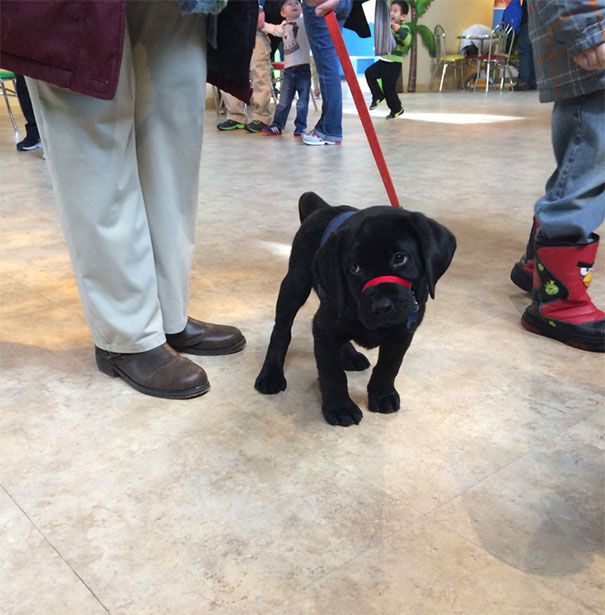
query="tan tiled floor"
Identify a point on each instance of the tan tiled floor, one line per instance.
(482, 496)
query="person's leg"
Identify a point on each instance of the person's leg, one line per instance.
(91, 155)
(286, 96)
(303, 88)
(565, 245)
(170, 78)
(329, 125)
(260, 76)
(390, 75)
(573, 205)
(527, 75)
(236, 112)
(32, 136)
(373, 73)
(96, 152)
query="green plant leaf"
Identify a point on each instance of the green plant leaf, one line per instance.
(422, 6)
(428, 38)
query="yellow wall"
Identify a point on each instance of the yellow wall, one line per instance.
(455, 16)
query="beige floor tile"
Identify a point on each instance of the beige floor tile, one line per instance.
(237, 503)
(428, 570)
(34, 578)
(221, 515)
(543, 514)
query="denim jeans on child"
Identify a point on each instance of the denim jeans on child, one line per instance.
(329, 125)
(527, 72)
(295, 80)
(574, 203)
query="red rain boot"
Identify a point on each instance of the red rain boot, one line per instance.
(522, 273)
(561, 307)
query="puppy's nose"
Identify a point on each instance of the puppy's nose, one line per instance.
(382, 306)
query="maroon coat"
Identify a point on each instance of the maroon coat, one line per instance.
(77, 44)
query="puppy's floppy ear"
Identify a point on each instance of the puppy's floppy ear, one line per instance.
(308, 203)
(437, 245)
(328, 271)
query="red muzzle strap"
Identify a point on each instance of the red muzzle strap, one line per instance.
(390, 279)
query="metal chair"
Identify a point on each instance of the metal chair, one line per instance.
(498, 55)
(7, 75)
(444, 60)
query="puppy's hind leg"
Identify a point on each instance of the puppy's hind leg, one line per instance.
(352, 360)
(293, 293)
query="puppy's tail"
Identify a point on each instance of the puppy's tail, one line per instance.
(308, 203)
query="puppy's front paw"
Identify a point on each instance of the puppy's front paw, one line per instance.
(343, 414)
(352, 360)
(270, 383)
(384, 403)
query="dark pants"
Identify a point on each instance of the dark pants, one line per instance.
(527, 74)
(296, 80)
(26, 107)
(389, 73)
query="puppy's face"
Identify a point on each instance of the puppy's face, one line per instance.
(382, 263)
(380, 266)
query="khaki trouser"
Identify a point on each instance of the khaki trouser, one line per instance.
(125, 174)
(260, 76)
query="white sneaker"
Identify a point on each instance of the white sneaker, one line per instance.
(312, 138)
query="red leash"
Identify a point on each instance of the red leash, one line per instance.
(364, 114)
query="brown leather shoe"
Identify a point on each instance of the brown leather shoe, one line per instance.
(204, 338)
(160, 372)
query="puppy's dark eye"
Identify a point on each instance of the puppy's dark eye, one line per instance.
(400, 258)
(355, 268)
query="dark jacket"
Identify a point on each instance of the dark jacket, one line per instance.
(78, 44)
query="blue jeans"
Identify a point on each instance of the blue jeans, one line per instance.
(574, 203)
(329, 125)
(296, 80)
(527, 72)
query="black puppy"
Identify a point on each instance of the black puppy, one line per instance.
(373, 270)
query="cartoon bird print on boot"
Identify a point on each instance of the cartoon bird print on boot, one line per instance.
(561, 307)
(586, 272)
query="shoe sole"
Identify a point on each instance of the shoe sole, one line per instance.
(212, 351)
(320, 143)
(272, 134)
(108, 368)
(238, 127)
(253, 130)
(29, 148)
(540, 327)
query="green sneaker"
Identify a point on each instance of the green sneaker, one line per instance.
(393, 114)
(255, 126)
(230, 125)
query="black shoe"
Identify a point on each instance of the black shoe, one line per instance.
(160, 372)
(393, 114)
(230, 125)
(29, 143)
(255, 126)
(375, 103)
(204, 338)
(524, 87)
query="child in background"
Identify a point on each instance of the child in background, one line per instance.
(388, 68)
(296, 78)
